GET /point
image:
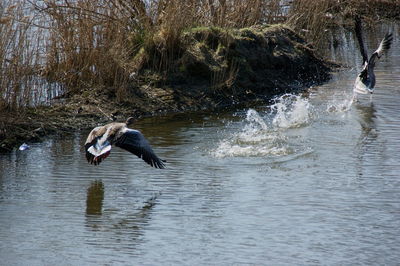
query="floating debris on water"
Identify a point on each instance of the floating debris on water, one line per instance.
(24, 147)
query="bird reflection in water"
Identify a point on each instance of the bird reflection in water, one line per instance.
(367, 114)
(95, 197)
(368, 136)
(120, 227)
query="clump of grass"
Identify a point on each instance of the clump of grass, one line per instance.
(106, 43)
(85, 44)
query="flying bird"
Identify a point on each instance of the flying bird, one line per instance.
(365, 81)
(100, 140)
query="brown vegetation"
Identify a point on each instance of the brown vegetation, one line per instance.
(18, 56)
(91, 51)
(104, 43)
(83, 44)
(313, 18)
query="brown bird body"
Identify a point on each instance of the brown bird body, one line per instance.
(100, 140)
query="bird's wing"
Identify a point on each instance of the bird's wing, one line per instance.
(134, 142)
(383, 47)
(97, 150)
(97, 131)
(358, 31)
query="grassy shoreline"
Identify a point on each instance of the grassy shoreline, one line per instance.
(218, 69)
(113, 59)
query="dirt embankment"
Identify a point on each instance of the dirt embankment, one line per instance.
(216, 68)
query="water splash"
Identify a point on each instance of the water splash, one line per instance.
(263, 134)
(291, 111)
(340, 103)
(255, 139)
(255, 120)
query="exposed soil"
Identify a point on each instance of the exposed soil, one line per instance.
(217, 68)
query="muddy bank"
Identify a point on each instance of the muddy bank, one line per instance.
(212, 68)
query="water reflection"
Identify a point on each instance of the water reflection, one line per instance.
(368, 150)
(95, 197)
(120, 228)
(367, 117)
(336, 192)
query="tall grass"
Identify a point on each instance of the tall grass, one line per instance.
(18, 55)
(94, 43)
(22, 57)
(313, 18)
(105, 43)
(86, 44)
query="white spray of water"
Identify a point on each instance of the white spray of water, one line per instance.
(255, 139)
(263, 135)
(291, 111)
(338, 101)
(339, 105)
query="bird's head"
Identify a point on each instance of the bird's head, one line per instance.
(129, 121)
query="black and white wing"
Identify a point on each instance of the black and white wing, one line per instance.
(383, 47)
(134, 142)
(358, 31)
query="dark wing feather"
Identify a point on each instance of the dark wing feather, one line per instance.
(383, 47)
(358, 31)
(134, 142)
(89, 156)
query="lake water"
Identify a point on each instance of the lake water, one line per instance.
(307, 180)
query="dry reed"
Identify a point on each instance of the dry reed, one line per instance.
(19, 49)
(104, 43)
(85, 44)
(313, 18)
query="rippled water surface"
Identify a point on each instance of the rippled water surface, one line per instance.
(306, 180)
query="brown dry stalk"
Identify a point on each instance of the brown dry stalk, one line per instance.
(83, 44)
